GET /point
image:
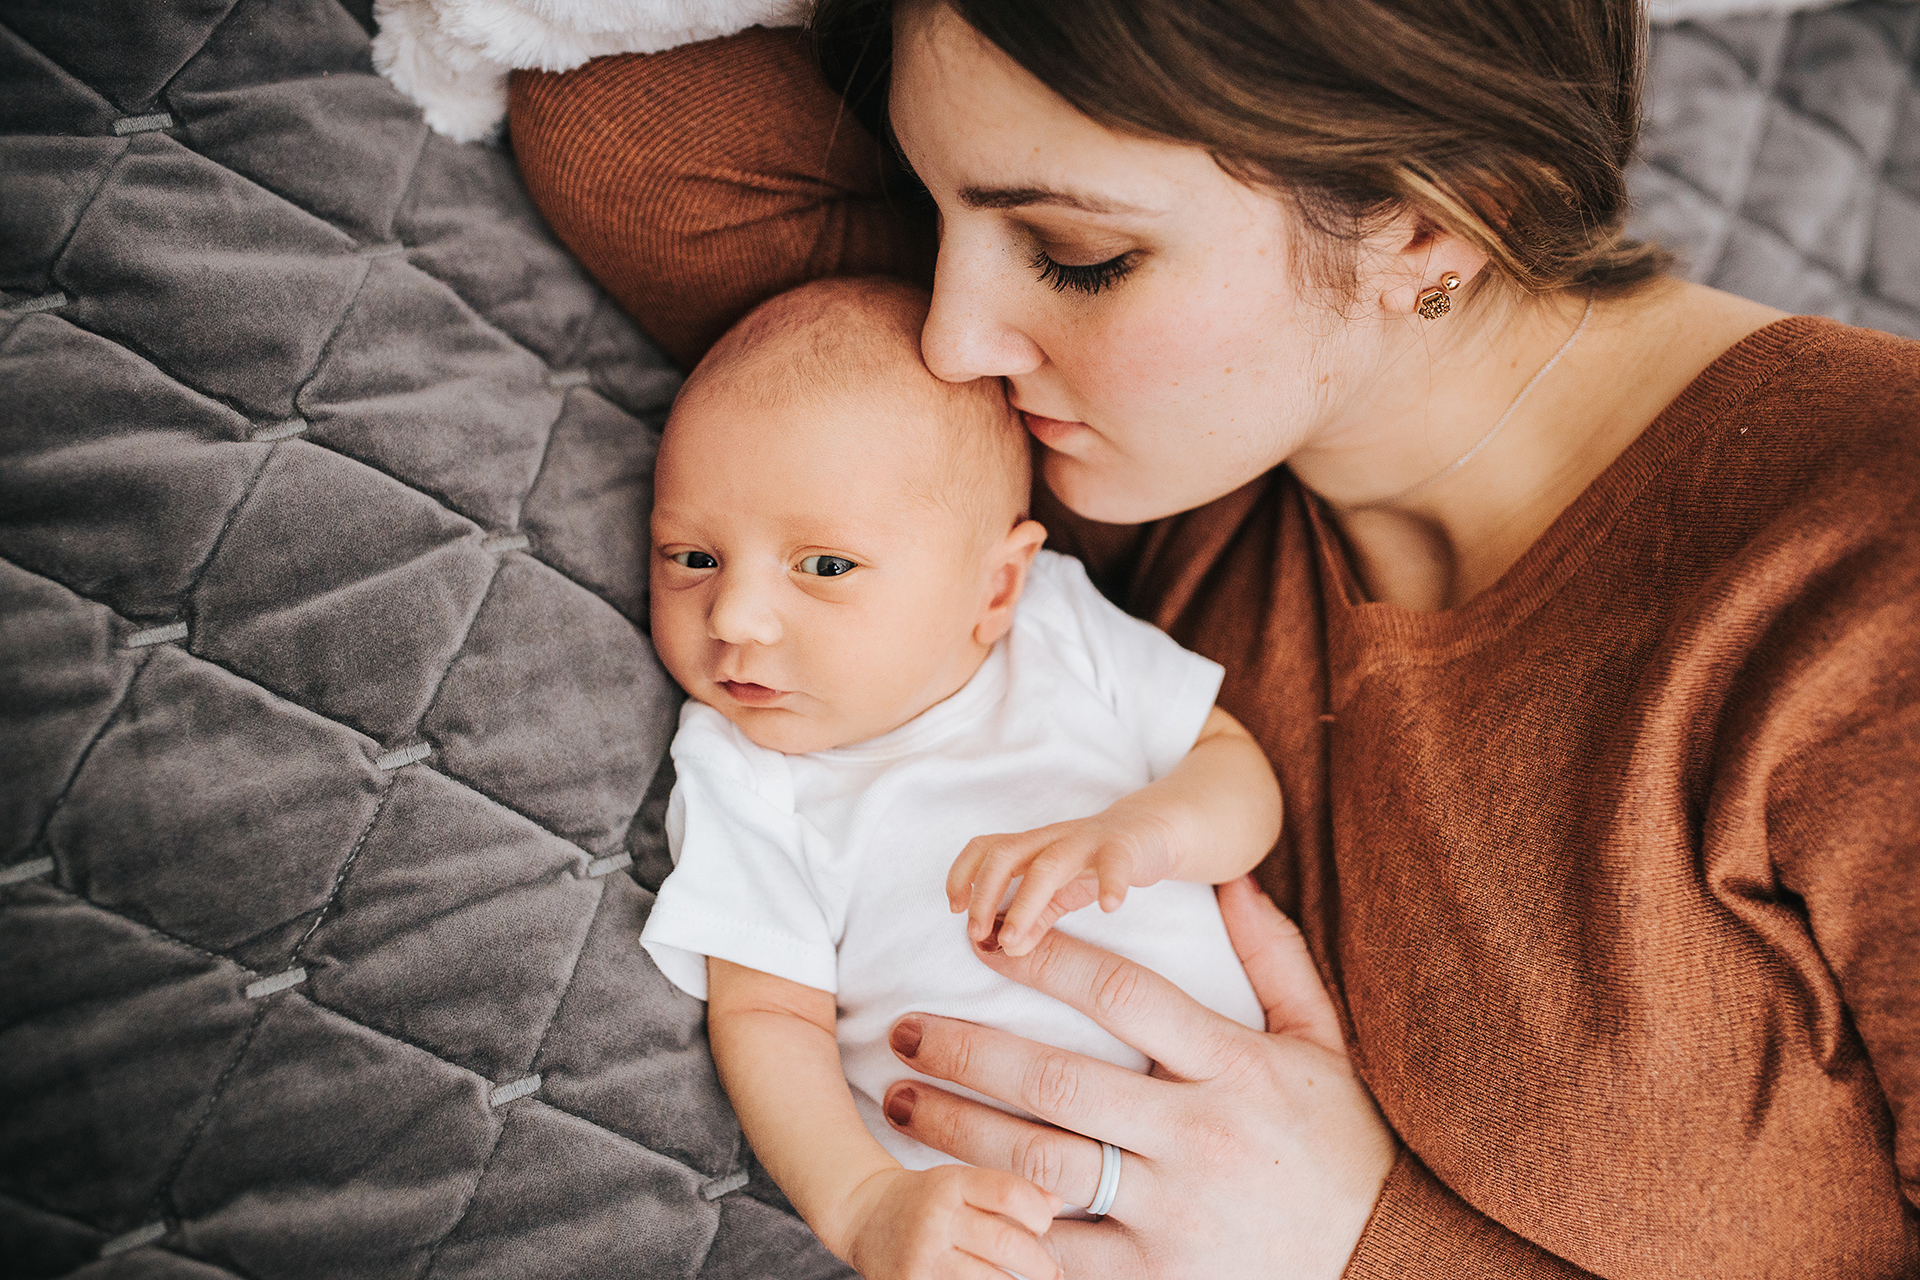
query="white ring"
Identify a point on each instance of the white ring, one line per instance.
(1109, 1180)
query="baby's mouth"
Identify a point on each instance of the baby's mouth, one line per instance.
(751, 695)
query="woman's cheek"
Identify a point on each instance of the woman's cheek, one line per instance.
(1156, 390)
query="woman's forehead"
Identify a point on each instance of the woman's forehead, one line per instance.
(967, 113)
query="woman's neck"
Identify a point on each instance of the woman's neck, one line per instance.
(1427, 535)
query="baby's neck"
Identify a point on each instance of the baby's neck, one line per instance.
(951, 680)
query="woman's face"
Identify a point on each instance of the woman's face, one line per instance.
(1136, 298)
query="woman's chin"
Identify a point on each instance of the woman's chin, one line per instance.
(1103, 494)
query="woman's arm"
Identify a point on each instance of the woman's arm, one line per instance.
(773, 1043)
(1247, 1154)
(696, 183)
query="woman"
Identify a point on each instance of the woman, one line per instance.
(1578, 609)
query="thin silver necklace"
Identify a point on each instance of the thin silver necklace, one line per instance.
(1487, 439)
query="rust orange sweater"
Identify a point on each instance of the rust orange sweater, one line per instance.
(1612, 870)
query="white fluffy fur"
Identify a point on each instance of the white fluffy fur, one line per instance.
(452, 56)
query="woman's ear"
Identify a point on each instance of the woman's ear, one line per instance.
(1407, 256)
(1006, 579)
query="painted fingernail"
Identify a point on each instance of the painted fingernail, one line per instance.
(900, 1107)
(906, 1037)
(991, 943)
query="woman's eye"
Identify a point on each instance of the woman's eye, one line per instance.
(694, 560)
(827, 566)
(1091, 278)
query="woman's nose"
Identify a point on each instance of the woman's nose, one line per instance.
(972, 330)
(741, 613)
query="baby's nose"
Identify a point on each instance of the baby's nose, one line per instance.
(742, 615)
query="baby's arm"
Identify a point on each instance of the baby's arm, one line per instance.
(773, 1042)
(1210, 818)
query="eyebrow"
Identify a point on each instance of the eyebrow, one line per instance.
(1023, 197)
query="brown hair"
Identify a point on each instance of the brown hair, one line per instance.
(1507, 123)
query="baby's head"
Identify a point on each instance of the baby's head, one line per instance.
(839, 537)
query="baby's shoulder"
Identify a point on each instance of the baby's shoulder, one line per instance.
(1063, 611)
(1061, 601)
(711, 748)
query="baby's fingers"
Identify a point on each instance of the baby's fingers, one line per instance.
(965, 867)
(1003, 1243)
(979, 877)
(1072, 896)
(1049, 889)
(996, 1191)
(1115, 874)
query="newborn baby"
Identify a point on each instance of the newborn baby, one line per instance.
(884, 666)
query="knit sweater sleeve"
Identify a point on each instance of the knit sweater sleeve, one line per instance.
(662, 175)
(1840, 808)
(1419, 1228)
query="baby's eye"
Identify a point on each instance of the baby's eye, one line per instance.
(694, 560)
(827, 566)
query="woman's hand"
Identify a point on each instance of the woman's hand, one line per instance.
(1245, 1154)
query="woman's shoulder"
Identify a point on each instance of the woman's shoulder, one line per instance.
(1824, 370)
(1787, 488)
(1690, 360)
(1801, 412)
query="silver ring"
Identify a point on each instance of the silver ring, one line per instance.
(1109, 1180)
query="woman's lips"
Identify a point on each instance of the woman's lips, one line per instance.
(751, 695)
(1052, 432)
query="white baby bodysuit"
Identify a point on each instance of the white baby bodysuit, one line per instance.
(830, 869)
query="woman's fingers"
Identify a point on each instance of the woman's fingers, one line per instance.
(1066, 1165)
(1083, 1094)
(1136, 1005)
(1279, 966)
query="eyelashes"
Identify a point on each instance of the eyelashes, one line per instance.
(1089, 279)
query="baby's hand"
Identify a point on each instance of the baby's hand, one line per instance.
(946, 1221)
(1062, 868)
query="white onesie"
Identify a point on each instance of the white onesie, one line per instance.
(830, 869)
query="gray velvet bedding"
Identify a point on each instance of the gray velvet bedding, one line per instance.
(1781, 159)
(328, 719)
(329, 729)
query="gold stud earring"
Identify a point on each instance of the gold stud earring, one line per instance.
(1435, 303)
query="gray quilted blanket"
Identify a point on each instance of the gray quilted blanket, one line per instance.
(329, 731)
(1781, 159)
(328, 719)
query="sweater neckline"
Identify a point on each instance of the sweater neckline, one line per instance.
(1579, 530)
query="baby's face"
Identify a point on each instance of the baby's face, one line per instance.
(797, 586)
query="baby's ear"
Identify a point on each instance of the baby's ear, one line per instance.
(1006, 578)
